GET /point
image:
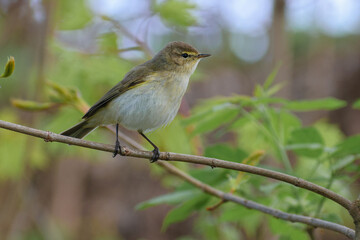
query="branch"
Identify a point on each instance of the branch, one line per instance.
(50, 137)
(127, 33)
(355, 213)
(213, 162)
(315, 222)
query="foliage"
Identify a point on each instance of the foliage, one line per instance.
(9, 68)
(73, 15)
(176, 12)
(267, 123)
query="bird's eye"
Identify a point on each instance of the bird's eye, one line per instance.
(184, 55)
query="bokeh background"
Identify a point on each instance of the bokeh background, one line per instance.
(53, 191)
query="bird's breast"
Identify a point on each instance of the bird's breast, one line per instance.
(150, 105)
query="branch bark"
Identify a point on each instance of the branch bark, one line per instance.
(347, 204)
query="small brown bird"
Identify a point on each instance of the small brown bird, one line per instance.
(147, 98)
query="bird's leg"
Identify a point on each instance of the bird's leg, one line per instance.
(156, 152)
(117, 143)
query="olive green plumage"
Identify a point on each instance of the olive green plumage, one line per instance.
(148, 97)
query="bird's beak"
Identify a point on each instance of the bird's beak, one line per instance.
(202, 55)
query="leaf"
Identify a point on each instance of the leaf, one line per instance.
(282, 122)
(248, 218)
(209, 175)
(349, 146)
(343, 162)
(67, 95)
(176, 12)
(12, 149)
(108, 42)
(223, 151)
(215, 117)
(252, 160)
(73, 14)
(183, 211)
(306, 142)
(96, 74)
(332, 217)
(287, 230)
(164, 138)
(210, 106)
(331, 133)
(269, 188)
(171, 198)
(270, 79)
(31, 105)
(274, 89)
(317, 104)
(9, 68)
(259, 91)
(356, 104)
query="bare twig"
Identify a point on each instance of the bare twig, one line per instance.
(355, 213)
(127, 33)
(315, 222)
(213, 162)
(49, 137)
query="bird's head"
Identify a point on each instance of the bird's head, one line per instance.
(180, 56)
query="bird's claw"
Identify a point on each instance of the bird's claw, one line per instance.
(155, 156)
(117, 149)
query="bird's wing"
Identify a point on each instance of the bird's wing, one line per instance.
(135, 77)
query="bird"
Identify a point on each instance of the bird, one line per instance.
(147, 98)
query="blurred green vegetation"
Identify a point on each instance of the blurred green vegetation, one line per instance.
(261, 123)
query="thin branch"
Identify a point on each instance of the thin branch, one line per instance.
(213, 162)
(49, 137)
(315, 222)
(355, 213)
(127, 33)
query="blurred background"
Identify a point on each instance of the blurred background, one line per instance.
(54, 191)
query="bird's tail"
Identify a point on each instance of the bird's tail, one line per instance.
(80, 130)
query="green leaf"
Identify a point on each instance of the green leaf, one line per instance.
(330, 133)
(209, 175)
(215, 117)
(332, 217)
(270, 79)
(343, 162)
(171, 198)
(349, 146)
(9, 68)
(274, 89)
(73, 14)
(269, 188)
(259, 91)
(224, 151)
(12, 149)
(176, 12)
(97, 74)
(164, 138)
(318, 104)
(208, 106)
(248, 218)
(108, 42)
(284, 122)
(356, 104)
(306, 142)
(287, 230)
(31, 105)
(183, 211)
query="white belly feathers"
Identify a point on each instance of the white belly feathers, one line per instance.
(140, 109)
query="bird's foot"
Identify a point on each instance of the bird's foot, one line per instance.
(155, 156)
(117, 149)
